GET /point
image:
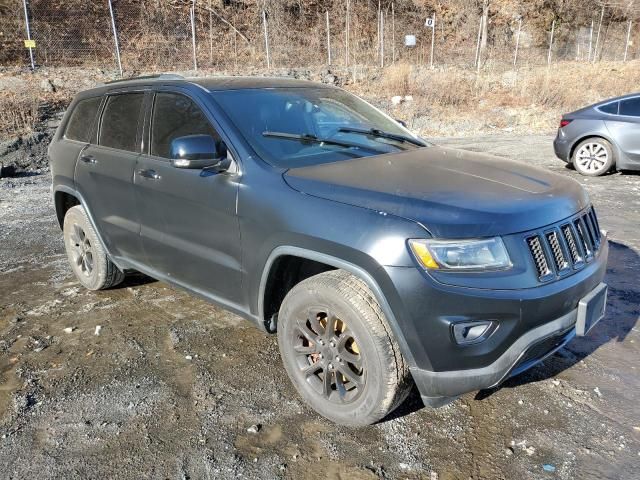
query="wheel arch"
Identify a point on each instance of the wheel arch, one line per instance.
(330, 262)
(65, 198)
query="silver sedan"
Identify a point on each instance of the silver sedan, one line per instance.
(601, 137)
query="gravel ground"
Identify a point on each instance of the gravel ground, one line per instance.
(173, 387)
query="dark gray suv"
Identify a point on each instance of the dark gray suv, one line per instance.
(379, 259)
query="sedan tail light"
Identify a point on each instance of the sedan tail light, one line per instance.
(564, 122)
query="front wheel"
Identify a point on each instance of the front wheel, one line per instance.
(593, 157)
(338, 349)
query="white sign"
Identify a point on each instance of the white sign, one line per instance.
(430, 23)
(409, 40)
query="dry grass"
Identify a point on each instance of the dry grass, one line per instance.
(18, 113)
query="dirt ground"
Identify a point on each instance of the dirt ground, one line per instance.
(171, 386)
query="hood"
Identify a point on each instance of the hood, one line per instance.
(453, 193)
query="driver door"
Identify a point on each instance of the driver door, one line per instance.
(188, 223)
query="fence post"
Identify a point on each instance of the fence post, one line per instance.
(626, 45)
(328, 40)
(346, 36)
(553, 28)
(26, 22)
(393, 34)
(115, 37)
(595, 50)
(381, 39)
(266, 38)
(590, 41)
(515, 55)
(477, 62)
(433, 38)
(192, 14)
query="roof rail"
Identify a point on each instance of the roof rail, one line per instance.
(160, 76)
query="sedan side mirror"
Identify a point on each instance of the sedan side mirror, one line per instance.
(402, 122)
(199, 152)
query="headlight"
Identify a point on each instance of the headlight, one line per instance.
(486, 254)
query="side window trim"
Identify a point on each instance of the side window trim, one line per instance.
(103, 107)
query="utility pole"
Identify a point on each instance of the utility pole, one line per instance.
(433, 37)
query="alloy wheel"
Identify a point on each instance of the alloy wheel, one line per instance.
(592, 157)
(82, 251)
(328, 356)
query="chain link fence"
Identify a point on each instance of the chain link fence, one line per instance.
(237, 35)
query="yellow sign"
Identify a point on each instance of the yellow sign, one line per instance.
(29, 44)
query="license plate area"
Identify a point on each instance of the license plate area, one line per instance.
(591, 309)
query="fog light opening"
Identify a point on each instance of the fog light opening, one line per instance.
(469, 333)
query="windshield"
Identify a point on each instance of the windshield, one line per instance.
(287, 126)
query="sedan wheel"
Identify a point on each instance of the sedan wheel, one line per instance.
(593, 157)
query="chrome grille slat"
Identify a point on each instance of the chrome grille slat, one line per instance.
(539, 257)
(556, 249)
(569, 238)
(583, 239)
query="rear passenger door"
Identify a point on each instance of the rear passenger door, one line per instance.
(625, 127)
(189, 226)
(104, 173)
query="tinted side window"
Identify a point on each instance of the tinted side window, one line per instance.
(120, 121)
(82, 118)
(630, 107)
(611, 108)
(175, 116)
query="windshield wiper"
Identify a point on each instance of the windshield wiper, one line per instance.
(374, 132)
(309, 138)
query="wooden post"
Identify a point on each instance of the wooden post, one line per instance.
(553, 28)
(595, 50)
(266, 38)
(626, 45)
(515, 55)
(328, 40)
(381, 39)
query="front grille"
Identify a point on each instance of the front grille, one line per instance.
(571, 245)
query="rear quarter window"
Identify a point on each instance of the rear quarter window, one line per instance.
(610, 108)
(82, 119)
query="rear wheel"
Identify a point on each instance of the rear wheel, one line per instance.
(593, 157)
(88, 259)
(338, 349)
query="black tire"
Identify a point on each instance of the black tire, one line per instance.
(367, 375)
(86, 255)
(593, 157)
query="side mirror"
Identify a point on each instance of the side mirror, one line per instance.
(402, 122)
(199, 152)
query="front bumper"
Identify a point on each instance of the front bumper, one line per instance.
(533, 323)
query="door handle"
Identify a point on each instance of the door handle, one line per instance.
(89, 159)
(152, 174)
